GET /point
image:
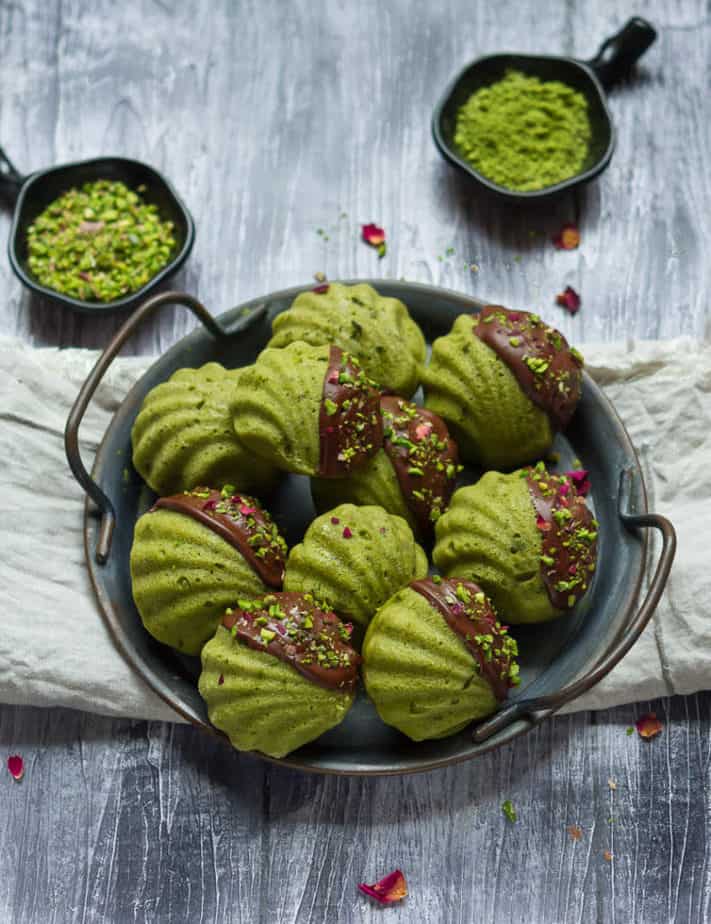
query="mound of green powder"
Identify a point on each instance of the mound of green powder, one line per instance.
(524, 133)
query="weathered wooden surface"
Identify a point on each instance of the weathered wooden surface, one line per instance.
(275, 120)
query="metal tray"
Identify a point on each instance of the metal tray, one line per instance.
(559, 660)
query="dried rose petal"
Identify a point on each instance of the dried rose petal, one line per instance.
(569, 299)
(575, 831)
(422, 431)
(579, 477)
(648, 725)
(347, 534)
(246, 510)
(567, 238)
(16, 766)
(335, 521)
(391, 888)
(321, 290)
(220, 680)
(542, 523)
(375, 237)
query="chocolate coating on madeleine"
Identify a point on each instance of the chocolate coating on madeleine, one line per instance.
(469, 613)
(569, 536)
(350, 426)
(299, 631)
(240, 520)
(547, 369)
(423, 455)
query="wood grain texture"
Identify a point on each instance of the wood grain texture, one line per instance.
(275, 120)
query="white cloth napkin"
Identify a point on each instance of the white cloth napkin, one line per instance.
(55, 650)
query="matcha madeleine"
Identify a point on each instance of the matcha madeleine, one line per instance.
(193, 554)
(528, 538)
(308, 409)
(279, 672)
(436, 657)
(414, 474)
(377, 330)
(355, 558)
(505, 382)
(183, 435)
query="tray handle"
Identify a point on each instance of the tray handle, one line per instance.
(538, 708)
(76, 415)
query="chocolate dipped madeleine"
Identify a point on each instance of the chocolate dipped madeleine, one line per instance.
(505, 382)
(412, 476)
(436, 657)
(308, 409)
(528, 538)
(279, 672)
(377, 330)
(193, 554)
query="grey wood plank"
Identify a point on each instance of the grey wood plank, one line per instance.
(275, 120)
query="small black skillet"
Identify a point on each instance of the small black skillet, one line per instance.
(32, 194)
(613, 61)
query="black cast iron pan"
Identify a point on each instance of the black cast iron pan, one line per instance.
(613, 61)
(559, 661)
(30, 195)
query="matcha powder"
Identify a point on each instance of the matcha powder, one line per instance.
(524, 133)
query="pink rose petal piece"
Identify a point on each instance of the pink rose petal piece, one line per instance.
(568, 238)
(16, 766)
(648, 726)
(579, 477)
(569, 299)
(347, 533)
(374, 237)
(321, 290)
(390, 889)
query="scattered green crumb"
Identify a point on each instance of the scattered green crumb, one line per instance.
(508, 810)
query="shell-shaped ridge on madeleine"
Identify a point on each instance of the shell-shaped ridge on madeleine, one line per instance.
(489, 535)
(275, 411)
(184, 576)
(376, 329)
(260, 702)
(374, 484)
(183, 435)
(495, 423)
(418, 672)
(354, 558)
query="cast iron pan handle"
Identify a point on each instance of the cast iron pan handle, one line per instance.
(71, 432)
(541, 707)
(617, 54)
(11, 179)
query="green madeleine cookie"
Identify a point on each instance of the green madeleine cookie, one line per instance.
(355, 558)
(374, 484)
(309, 410)
(432, 669)
(183, 435)
(534, 562)
(504, 382)
(378, 330)
(184, 572)
(267, 679)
